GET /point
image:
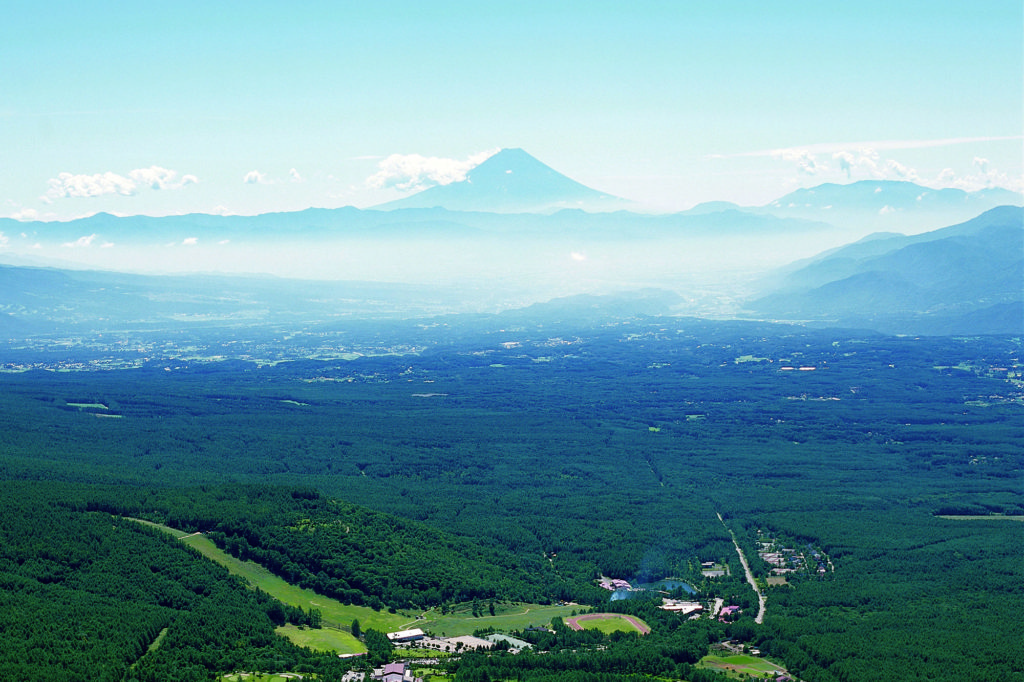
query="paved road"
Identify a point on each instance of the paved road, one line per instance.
(750, 576)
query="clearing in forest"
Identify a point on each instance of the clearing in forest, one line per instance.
(980, 517)
(608, 623)
(337, 617)
(517, 616)
(741, 664)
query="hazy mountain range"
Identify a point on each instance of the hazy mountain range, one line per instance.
(512, 192)
(963, 279)
(967, 278)
(492, 242)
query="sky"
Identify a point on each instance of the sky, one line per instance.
(245, 108)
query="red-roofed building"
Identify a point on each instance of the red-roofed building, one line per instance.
(394, 672)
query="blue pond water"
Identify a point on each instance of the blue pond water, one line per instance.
(644, 591)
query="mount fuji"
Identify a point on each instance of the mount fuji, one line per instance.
(512, 181)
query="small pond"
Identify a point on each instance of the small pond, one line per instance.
(644, 590)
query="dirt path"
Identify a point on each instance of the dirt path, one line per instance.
(750, 576)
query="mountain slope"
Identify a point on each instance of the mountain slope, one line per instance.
(511, 181)
(894, 283)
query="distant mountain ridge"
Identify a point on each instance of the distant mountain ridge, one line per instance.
(890, 205)
(963, 279)
(875, 195)
(404, 223)
(942, 281)
(511, 181)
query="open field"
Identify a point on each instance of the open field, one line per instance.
(321, 639)
(507, 617)
(337, 615)
(608, 623)
(740, 664)
(167, 529)
(267, 677)
(981, 517)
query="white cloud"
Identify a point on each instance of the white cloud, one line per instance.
(805, 161)
(190, 241)
(67, 185)
(860, 161)
(294, 175)
(846, 161)
(254, 177)
(899, 171)
(863, 161)
(26, 215)
(154, 176)
(857, 163)
(4, 240)
(81, 242)
(577, 256)
(415, 172)
(982, 176)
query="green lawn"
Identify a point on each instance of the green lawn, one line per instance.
(335, 614)
(608, 625)
(167, 529)
(338, 617)
(736, 664)
(322, 639)
(266, 677)
(507, 617)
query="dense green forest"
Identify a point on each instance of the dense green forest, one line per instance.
(90, 596)
(522, 464)
(351, 553)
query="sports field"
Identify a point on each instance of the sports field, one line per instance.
(608, 623)
(741, 664)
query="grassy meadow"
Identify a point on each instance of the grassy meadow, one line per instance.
(338, 617)
(506, 617)
(740, 665)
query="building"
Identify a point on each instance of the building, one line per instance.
(394, 672)
(685, 608)
(406, 635)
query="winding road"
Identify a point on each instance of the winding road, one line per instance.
(750, 576)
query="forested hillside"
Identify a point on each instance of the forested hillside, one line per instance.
(90, 596)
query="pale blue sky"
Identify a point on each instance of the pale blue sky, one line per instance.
(669, 103)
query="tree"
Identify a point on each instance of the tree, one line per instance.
(378, 647)
(356, 632)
